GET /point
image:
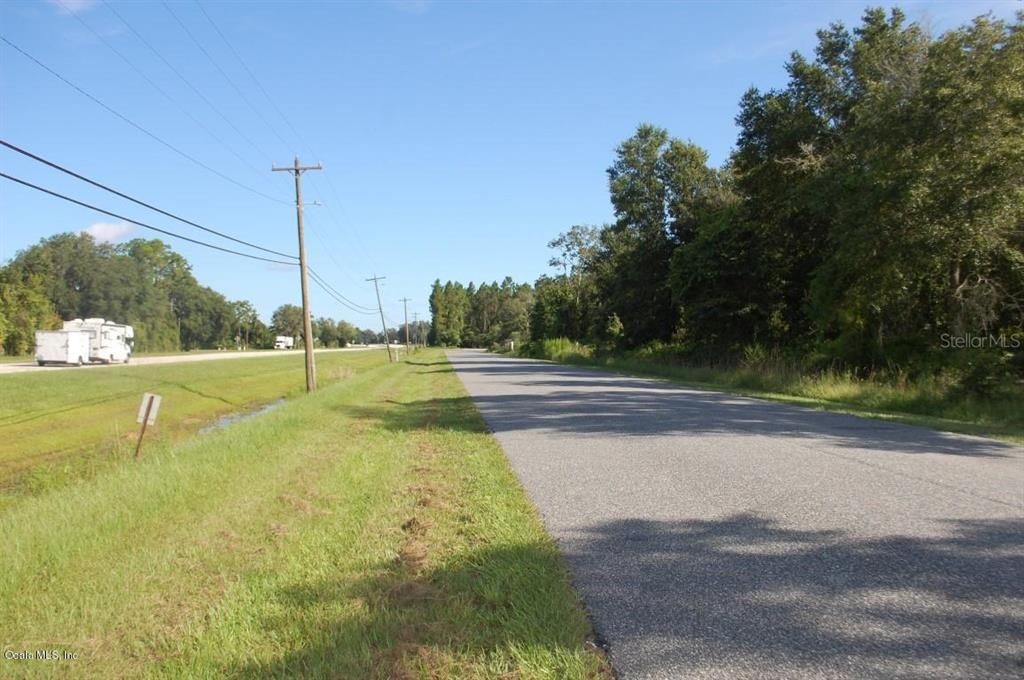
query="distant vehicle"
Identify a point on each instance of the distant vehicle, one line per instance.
(284, 342)
(109, 342)
(62, 347)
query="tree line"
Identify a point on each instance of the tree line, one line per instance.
(490, 315)
(287, 320)
(870, 207)
(147, 285)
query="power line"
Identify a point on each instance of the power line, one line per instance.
(327, 204)
(327, 249)
(223, 73)
(253, 77)
(139, 127)
(340, 300)
(157, 87)
(355, 237)
(291, 127)
(283, 116)
(280, 112)
(188, 83)
(330, 290)
(141, 224)
(125, 196)
(355, 305)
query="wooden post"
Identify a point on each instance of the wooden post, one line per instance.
(307, 323)
(145, 421)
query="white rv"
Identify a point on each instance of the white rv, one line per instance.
(62, 347)
(109, 342)
(284, 342)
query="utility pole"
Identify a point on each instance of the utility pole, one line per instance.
(307, 323)
(405, 308)
(416, 323)
(384, 326)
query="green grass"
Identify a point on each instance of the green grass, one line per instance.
(371, 530)
(15, 358)
(929, 402)
(61, 425)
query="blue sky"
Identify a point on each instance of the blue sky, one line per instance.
(457, 138)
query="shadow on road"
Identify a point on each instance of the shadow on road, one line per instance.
(582, 402)
(745, 591)
(678, 412)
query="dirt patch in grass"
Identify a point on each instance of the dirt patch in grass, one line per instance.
(341, 373)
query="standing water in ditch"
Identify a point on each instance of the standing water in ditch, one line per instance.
(233, 418)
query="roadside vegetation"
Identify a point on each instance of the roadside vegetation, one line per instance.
(371, 530)
(862, 247)
(939, 401)
(145, 284)
(58, 426)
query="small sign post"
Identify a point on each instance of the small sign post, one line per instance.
(147, 416)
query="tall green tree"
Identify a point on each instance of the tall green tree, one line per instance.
(287, 320)
(245, 319)
(24, 308)
(632, 270)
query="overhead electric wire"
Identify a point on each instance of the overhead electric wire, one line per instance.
(252, 75)
(274, 130)
(363, 308)
(302, 142)
(333, 292)
(223, 73)
(327, 289)
(141, 224)
(155, 86)
(140, 128)
(330, 212)
(318, 279)
(100, 185)
(187, 82)
(327, 249)
(359, 307)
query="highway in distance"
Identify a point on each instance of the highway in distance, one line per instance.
(31, 366)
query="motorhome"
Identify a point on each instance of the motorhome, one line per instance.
(284, 342)
(109, 342)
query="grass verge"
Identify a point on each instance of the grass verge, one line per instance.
(371, 530)
(928, 403)
(62, 425)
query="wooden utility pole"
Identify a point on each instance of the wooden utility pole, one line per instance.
(307, 323)
(405, 308)
(416, 322)
(384, 326)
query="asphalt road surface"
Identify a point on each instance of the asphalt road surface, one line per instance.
(27, 366)
(714, 536)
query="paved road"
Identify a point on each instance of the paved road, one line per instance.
(713, 536)
(27, 366)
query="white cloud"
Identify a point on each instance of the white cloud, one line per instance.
(109, 232)
(72, 6)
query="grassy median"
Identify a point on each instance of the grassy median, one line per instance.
(372, 530)
(58, 426)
